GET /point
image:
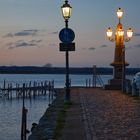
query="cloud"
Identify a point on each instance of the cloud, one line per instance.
(103, 46)
(53, 45)
(22, 43)
(9, 35)
(137, 46)
(23, 33)
(31, 32)
(83, 48)
(26, 33)
(136, 34)
(54, 33)
(36, 41)
(91, 48)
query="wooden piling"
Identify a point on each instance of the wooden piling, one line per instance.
(38, 89)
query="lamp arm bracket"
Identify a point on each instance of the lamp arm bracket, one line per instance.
(111, 39)
(127, 39)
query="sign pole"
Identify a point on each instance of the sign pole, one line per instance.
(66, 36)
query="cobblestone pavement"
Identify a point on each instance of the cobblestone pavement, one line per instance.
(99, 114)
(110, 115)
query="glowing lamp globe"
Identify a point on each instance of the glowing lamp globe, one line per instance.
(66, 10)
(109, 32)
(119, 13)
(120, 32)
(129, 33)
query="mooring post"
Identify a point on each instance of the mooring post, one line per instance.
(26, 90)
(49, 85)
(45, 87)
(86, 82)
(34, 89)
(53, 87)
(38, 88)
(16, 89)
(94, 76)
(4, 86)
(30, 87)
(42, 89)
(89, 82)
(10, 90)
(24, 117)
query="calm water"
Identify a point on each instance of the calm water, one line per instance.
(10, 115)
(58, 79)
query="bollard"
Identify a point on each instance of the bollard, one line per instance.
(139, 92)
(128, 88)
(134, 89)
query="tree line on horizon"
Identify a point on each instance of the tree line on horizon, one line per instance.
(60, 70)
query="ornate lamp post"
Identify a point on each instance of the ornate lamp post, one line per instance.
(67, 35)
(119, 63)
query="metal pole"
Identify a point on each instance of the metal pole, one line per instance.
(67, 96)
(67, 77)
(123, 73)
(66, 23)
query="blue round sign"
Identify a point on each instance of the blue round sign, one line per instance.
(66, 35)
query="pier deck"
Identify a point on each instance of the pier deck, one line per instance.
(98, 114)
(29, 89)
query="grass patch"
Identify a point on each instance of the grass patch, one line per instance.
(61, 120)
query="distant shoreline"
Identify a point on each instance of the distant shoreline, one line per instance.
(61, 70)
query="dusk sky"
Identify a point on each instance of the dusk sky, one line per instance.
(29, 32)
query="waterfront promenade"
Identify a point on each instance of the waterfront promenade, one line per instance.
(98, 114)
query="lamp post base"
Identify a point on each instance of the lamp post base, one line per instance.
(67, 95)
(115, 84)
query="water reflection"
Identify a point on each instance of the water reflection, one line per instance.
(11, 111)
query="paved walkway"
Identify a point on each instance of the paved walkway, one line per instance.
(102, 115)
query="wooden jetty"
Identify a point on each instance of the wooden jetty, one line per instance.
(31, 89)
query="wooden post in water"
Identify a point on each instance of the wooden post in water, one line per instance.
(94, 76)
(4, 86)
(30, 85)
(34, 89)
(89, 82)
(49, 85)
(52, 88)
(24, 118)
(45, 85)
(26, 90)
(16, 90)
(42, 90)
(38, 89)
(10, 90)
(86, 82)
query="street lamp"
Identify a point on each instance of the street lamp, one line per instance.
(66, 36)
(119, 63)
(66, 10)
